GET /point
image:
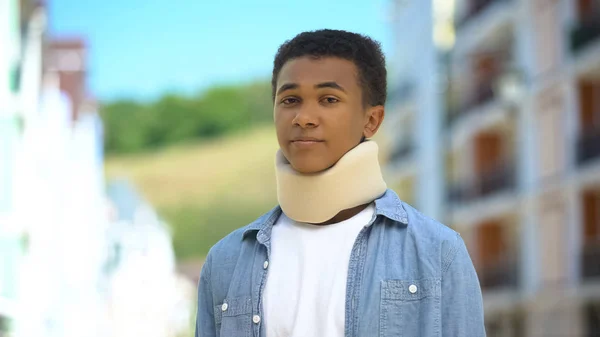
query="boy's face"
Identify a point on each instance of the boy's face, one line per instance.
(319, 112)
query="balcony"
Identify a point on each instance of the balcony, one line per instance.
(588, 146)
(503, 274)
(482, 94)
(585, 32)
(590, 257)
(486, 184)
(496, 180)
(476, 7)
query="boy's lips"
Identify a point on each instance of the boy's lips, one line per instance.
(305, 142)
(307, 139)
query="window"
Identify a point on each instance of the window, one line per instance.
(589, 101)
(591, 235)
(496, 260)
(487, 67)
(491, 242)
(488, 152)
(591, 217)
(587, 8)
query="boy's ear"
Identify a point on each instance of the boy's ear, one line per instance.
(373, 120)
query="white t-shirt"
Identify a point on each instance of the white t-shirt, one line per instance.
(305, 291)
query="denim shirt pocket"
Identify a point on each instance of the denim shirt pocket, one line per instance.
(233, 317)
(410, 308)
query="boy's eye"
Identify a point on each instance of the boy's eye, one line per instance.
(290, 100)
(331, 100)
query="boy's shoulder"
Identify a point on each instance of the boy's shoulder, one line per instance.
(433, 235)
(420, 226)
(425, 226)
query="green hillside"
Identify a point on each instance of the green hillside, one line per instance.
(205, 190)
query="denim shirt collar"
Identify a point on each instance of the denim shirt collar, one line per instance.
(388, 205)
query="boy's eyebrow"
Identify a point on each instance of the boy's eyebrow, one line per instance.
(287, 86)
(332, 85)
(290, 86)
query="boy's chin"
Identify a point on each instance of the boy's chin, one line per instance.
(310, 167)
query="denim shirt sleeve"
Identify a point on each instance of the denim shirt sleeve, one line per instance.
(205, 321)
(462, 303)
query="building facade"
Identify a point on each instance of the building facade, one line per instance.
(56, 237)
(520, 144)
(414, 123)
(11, 237)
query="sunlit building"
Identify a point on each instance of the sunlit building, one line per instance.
(519, 138)
(58, 272)
(413, 120)
(10, 245)
(58, 190)
(17, 33)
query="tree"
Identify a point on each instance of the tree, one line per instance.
(133, 126)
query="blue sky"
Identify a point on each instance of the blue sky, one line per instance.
(143, 48)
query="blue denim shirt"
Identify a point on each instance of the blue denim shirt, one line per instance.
(408, 275)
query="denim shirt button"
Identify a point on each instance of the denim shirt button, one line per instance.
(224, 307)
(266, 265)
(412, 288)
(256, 319)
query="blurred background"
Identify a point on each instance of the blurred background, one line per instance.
(134, 135)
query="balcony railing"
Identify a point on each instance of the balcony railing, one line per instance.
(482, 94)
(503, 274)
(496, 180)
(476, 8)
(586, 31)
(588, 146)
(592, 319)
(486, 184)
(590, 261)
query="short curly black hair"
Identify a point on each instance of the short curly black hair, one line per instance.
(362, 50)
